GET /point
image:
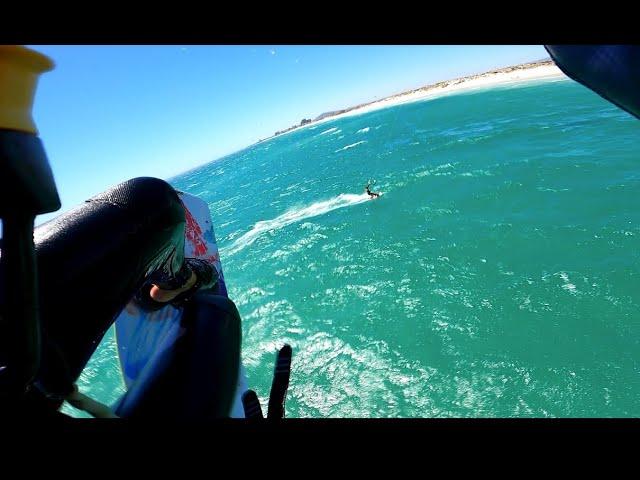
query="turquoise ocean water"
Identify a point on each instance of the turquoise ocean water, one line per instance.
(497, 276)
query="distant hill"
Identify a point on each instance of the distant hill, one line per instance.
(328, 114)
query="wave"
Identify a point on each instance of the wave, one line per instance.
(350, 146)
(333, 129)
(293, 216)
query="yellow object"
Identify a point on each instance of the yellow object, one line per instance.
(19, 71)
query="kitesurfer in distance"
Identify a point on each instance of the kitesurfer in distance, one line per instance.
(369, 192)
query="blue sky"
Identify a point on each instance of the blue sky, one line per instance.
(109, 113)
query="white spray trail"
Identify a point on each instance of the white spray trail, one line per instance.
(293, 216)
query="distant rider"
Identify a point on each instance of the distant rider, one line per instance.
(369, 192)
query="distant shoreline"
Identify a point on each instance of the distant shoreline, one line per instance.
(515, 73)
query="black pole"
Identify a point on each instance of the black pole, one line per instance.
(18, 305)
(27, 188)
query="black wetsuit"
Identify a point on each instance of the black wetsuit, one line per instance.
(91, 260)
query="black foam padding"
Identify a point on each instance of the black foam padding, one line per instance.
(90, 262)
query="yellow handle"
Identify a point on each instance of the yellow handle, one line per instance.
(19, 71)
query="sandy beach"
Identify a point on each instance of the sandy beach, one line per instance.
(513, 74)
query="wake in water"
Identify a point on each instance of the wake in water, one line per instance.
(293, 216)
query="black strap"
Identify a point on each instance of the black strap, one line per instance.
(278, 394)
(280, 383)
(252, 408)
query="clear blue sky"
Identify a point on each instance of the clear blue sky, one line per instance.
(109, 113)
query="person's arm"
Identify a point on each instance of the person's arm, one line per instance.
(92, 407)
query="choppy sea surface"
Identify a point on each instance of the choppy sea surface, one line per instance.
(497, 276)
